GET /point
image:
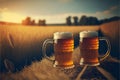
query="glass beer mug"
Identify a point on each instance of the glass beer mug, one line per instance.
(63, 49)
(89, 45)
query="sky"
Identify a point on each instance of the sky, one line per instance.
(56, 11)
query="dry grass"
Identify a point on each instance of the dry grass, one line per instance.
(44, 70)
(37, 71)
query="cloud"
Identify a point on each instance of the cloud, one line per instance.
(113, 8)
(107, 13)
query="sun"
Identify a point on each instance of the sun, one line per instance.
(12, 17)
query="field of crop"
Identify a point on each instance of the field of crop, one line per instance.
(21, 45)
(23, 42)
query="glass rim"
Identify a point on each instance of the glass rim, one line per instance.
(88, 33)
(63, 35)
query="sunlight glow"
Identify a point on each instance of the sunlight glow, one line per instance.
(12, 17)
(8, 16)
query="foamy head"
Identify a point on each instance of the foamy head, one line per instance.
(62, 35)
(84, 34)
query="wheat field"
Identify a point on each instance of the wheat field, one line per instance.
(23, 42)
(19, 43)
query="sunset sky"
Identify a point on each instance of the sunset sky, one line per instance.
(56, 11)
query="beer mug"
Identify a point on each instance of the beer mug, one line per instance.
(63, 49)
(89, 46)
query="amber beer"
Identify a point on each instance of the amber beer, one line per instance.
(89, 45)
(63, 49)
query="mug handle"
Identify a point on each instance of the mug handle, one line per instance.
(109, 48)
(48, 41)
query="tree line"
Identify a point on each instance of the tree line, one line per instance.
(88, 20)
(75, 20)
(28, 21)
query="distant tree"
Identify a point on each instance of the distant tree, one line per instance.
(39, 22)
(33, 22)
(42, 22)
(27, 21)
(23, 22)
(68, 20)
(88, 20)
(115, 18)
(92, 21)
(95, 21)
(83, 20)
(75, 18)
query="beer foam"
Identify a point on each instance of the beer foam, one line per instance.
(88, 34)
(62, 35)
